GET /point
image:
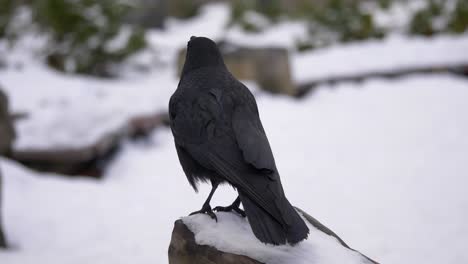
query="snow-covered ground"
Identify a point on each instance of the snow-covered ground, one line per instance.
(383, 164)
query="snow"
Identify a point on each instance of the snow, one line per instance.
(382, 163)
(392, 53)
(233, 234)
(119, 42)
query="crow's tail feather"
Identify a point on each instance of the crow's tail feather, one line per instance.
(269, 230)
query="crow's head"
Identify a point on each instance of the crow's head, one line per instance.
(202, 52)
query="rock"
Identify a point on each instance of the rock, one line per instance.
(268, 66)
(231, 240)
(7, 133)
(88, 160)
(273, 70)
(184, 250)
(2, 236)
(142, 125)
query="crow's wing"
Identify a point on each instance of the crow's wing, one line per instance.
(250, 134)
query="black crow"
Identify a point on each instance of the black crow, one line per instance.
(219, 138)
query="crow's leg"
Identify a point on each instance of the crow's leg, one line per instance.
(206, 209)
(233, 207)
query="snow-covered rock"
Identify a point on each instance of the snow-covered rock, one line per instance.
(230, 240)
(88, 160)
(391, 54)
(185, 250)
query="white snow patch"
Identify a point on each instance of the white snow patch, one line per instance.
(120, 40)
(233, 234)
(393, 53)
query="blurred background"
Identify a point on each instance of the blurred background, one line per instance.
(363, 101)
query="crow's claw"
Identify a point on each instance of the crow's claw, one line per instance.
(206, 209)
(230, 209)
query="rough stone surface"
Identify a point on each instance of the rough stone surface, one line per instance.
(273, 70)
(184, 250)
(7, 133)
(268, 67)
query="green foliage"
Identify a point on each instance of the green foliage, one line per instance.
(332, 21)
(6, 10)
(459, 20)
(337, 21)
(346, 19)
(238, 9)
(84, 36)
(385, 4)
(437, 17)
(329, 20)
(422, 22)
(304, 45)
(81, 31)
(184, 8)
(270, 8)
(249, 27)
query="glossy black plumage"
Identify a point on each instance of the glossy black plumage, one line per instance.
(219, 138)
